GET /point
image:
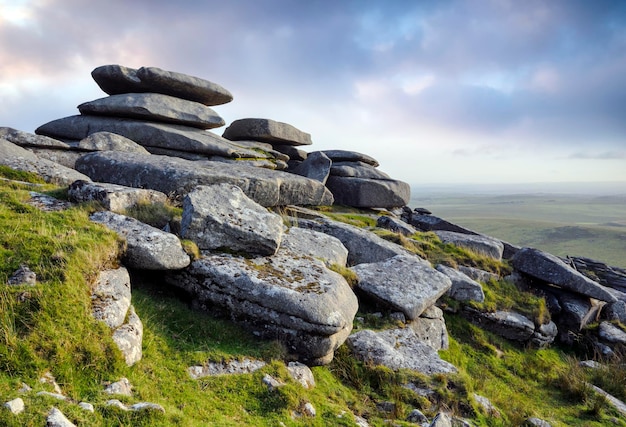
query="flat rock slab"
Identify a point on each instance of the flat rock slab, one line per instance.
(405, 283)
(427, 222)
(110, 297)
(154, 107)
(147, 134)
(550, 269)
(26, 139)
(357, 170)
(108, 141)
(177, 176)
(233, 367)
(350, 156)
(363, 246)
(18, 158)
(396, 225)
(266, 130)
(292, 297)
(508, 324)
(117, 79)
(483, 245)
(313, 243)
(369, 193)
(463, 287)
(148, 248)
(113, 197)
(222, 216)
(397, 349)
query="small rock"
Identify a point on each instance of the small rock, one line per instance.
(441, 420)
(15, 406)
(360, 421)
(47, 378)
(387, 407)
(147, 406)
(246, 366)
(86, 406)
(398, 316)
(271, 382)
(116, 403)
(57, 419)
(591, 364)
(536, 422)
(301, 373)
(309, 410)
(417, 417)
(122, 387)
(23, 276)
(487, 406)
(25, 388)
(57, 396)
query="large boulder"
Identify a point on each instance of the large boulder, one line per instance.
(483, 245)
(222, 216)
(18, 158)
(552, 270)
(369, 193)
(116, 79)
(405, 283)
(266, 130)
(397, 349)
(154, 107)
(318, 245)
(291, 297)
(463, 287)
(148, 248)
(115, 198)
(175, 176)
(363, 246)
(147, 134)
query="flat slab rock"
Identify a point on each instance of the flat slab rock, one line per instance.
(550, 269)
(115, 198)
(222, 216)
(350, 156)
(487, 246)
(508, 324)
(397, 349)
(147, 134)
(108, 141)
(405, 283)
(369, 193)
(357, 170)
(26, 139)
(115, 79)
(154, 107)
(18, 158)
(266, 130)
(233, 367)
(147, 247)
(315, 244)
(177, 176)
(288, 296)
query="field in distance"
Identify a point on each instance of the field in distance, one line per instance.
(562, 224)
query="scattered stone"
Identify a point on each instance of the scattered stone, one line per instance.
(357, 170)
(316, 166)
(479, 244)
(315, 244)
(309, 410)
(245, 366)
(56, 418)
(117, 404)
(441, 420)
(536, 422)
(122, 387)
(266, 130)
(350, 156)
(86, 406)
(154, 107)
(178, 177)
(129, 338)
(56, 396)
(611, 333)
(108, 141)
(115, 198)
(395, 225)
(15, 406)
(369, 193)
(21, 159)
(222, 216)
(363, 246)
(147, 247)
(463, 288)
(544, 335)
(116, 79)
(591, 364)
(23, 276)
(487, 406)
(612, 400)
(416, 416)
(388, 407)
(48, 378)
(360, 421)
(550, 269)
(507, 324)
(146, 406)
(397, 349)
(271, 382)
(110, 297)
(302, 374)
(47, 203)
(24, 388)
(406, 283)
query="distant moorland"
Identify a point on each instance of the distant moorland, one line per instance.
(592, 226)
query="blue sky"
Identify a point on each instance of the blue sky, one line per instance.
(447, 91)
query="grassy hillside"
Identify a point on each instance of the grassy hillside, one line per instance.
(49, 328)
(589, 226)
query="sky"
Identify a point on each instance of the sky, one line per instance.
(440, 92)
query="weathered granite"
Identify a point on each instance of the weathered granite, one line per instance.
(129, 338)
(430, 328)
(350, 156)
(508, 324)
(115, 198)
(266, 130)
(110, 297)
(316, 244)
(463, 288)
(27, 139)
(357, 170)
(108, 141)
(395, 225)
(316, 166)
(483, 245)
(369, 193)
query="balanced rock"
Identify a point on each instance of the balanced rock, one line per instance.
(21, 159)
(369, 193)
(288, 296)
(222, 216)
(483, 245)
(115, 198)
(176, 176)
(350, 156)
(148, 248)
(266, 130)
(550, 269)
(116, 79)
(154, 107)
(405, 283)
(315, 244)
(397, 349)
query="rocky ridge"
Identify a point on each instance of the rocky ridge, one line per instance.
(272, 278)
